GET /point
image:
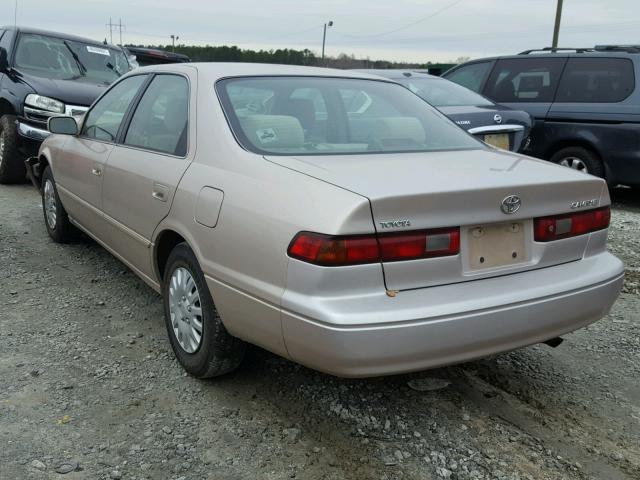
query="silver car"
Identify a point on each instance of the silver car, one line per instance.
(268, 207)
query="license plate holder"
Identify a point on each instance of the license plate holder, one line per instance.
(498, 140)
(496, 245)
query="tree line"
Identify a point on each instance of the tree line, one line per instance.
(288, 56)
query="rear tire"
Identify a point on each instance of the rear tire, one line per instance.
(197, 335)
(580, 159)
(56, 219)
(12, 168)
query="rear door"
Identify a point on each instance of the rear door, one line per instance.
(528, 83)
(145, 167)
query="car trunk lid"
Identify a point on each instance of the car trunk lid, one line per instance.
(466, 189)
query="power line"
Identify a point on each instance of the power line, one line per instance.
(409, 25)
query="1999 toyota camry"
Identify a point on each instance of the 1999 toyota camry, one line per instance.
(330, 217)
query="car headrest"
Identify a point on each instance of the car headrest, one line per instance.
(269, 132)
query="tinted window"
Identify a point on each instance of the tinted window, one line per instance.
(596, 80)
(470, 76)
(334, 116)
(104, 119)
(160, 120)
(442, 93)
(524, 80)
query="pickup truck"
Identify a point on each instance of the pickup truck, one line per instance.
(44, 74)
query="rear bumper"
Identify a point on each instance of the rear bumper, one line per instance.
(436, 326)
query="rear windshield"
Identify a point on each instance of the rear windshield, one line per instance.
(64, 59)
(334, 116)
(443, 93)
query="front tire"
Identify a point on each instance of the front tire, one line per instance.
(12, 168)
(197, 335)
(56, 219)
(580, 159)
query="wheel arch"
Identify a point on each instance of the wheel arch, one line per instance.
(571, 142)
(6, 107)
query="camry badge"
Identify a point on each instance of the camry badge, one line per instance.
(497, 118)
(511, 204)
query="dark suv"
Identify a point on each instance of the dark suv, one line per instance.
(585, 102)
(44, 74)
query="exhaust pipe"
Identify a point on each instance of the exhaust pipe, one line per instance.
(554, 342)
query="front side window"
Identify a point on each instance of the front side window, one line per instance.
(332, 116)
(160, 120)
(524, 80)
(471, 76)
(605, 80)
(65, 59)
(442, 93)
(104, 119)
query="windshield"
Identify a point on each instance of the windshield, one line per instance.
(332, 116)
(443, 93)
(63, 59)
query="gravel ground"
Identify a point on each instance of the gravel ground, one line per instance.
(89, 388)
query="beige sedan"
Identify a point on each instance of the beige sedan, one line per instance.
(331, 217)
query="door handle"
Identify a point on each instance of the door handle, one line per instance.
(96, 171)
(160, 192)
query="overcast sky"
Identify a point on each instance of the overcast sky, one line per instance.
(412, 30)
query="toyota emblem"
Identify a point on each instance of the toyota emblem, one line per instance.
(511, 204)
(497, 118)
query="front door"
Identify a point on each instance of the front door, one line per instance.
(144, 169)
(79, 173)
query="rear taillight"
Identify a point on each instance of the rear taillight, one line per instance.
(331, 251)
(547, 229)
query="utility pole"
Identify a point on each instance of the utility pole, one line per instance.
(15, 15)
(120, 27)
(556, 28)
(173, 42)
(324, 35)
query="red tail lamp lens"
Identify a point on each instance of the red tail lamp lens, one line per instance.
(557, 227)
(332, 251)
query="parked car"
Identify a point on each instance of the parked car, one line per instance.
(153, 56)
(499, 126)
(43, 74)
(585, 102)
(355, 241)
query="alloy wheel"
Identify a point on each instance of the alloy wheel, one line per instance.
(185, 310)
(1, 146)
(50, 208)
(575, 164)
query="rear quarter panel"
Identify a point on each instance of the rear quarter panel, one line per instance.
(244, 257)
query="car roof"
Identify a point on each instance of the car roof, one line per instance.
(37, 31)
(561, 53)
(219, 70)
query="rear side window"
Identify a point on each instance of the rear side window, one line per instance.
(524, 79)
(160, 120)
(471, 76)
(596, 80)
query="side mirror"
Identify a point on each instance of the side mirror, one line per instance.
(4, 63)
(63, 125)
